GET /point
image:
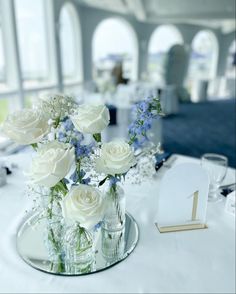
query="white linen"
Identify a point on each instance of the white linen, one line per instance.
(200, 261)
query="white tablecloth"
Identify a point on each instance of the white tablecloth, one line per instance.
(200, 261)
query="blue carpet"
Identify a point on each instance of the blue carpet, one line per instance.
(201, 128)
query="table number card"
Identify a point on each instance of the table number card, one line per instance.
(183, 199)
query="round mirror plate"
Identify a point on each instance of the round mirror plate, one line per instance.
(110, 247)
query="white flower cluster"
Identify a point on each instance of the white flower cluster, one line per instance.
(89, 166)
(57, 106)
(145, 167)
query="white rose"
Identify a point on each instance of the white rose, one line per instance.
(117, 157)
(26, 126)
(57, 106)
(52, 163)
(84, 204)
(91, 119)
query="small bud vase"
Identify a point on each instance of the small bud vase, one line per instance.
(113, 244)
(79, 249)
(53, 233)
(114, 217)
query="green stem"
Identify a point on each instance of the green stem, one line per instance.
(57, 247)
(131, 141)
(83, 231)
(55, 125)
(56, 122)
(78, 167)
(51, 236)
(115, 198)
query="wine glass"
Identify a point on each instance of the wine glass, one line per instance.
(216, 167)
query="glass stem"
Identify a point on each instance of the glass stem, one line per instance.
(214, 190)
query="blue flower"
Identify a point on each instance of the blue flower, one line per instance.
(74, 177)
(73, 141)
(136, 144)
(132, 129)
(79, 136)
(86, 181)
(83, 150)
(147, 124)
(139, 130)
(82, 173)
(143, 106)
(69, 134)
(61, 137)
(113, 181)
(97, 226)
(78, 177)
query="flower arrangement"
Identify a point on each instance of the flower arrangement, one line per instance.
(70, 166)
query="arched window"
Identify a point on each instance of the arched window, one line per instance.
(204, 55)
(114, 41)
(70, 41)
(31, 24)
(162, 39)
(231, 61)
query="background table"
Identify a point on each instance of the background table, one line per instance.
(201, 261)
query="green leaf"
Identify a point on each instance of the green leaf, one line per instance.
(102, 182)
(35, 146)
(97, 137)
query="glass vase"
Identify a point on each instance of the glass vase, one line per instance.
(114, 216)
(113, 244)
(79, 249)
(155, 133)
(54, 228)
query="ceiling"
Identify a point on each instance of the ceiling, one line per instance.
(210, 13)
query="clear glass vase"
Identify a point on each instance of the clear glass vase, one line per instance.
(54, 228)
(114, 216)
(113, 244)
(79, 249)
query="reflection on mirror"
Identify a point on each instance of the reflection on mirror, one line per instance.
(111, 247)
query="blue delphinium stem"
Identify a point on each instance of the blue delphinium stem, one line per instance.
(68, 134)
(145, 112)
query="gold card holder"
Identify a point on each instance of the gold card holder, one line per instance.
(188, 226)
(178, 228)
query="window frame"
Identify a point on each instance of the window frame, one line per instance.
(49, 81)
(14, 77)
(76, 27)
